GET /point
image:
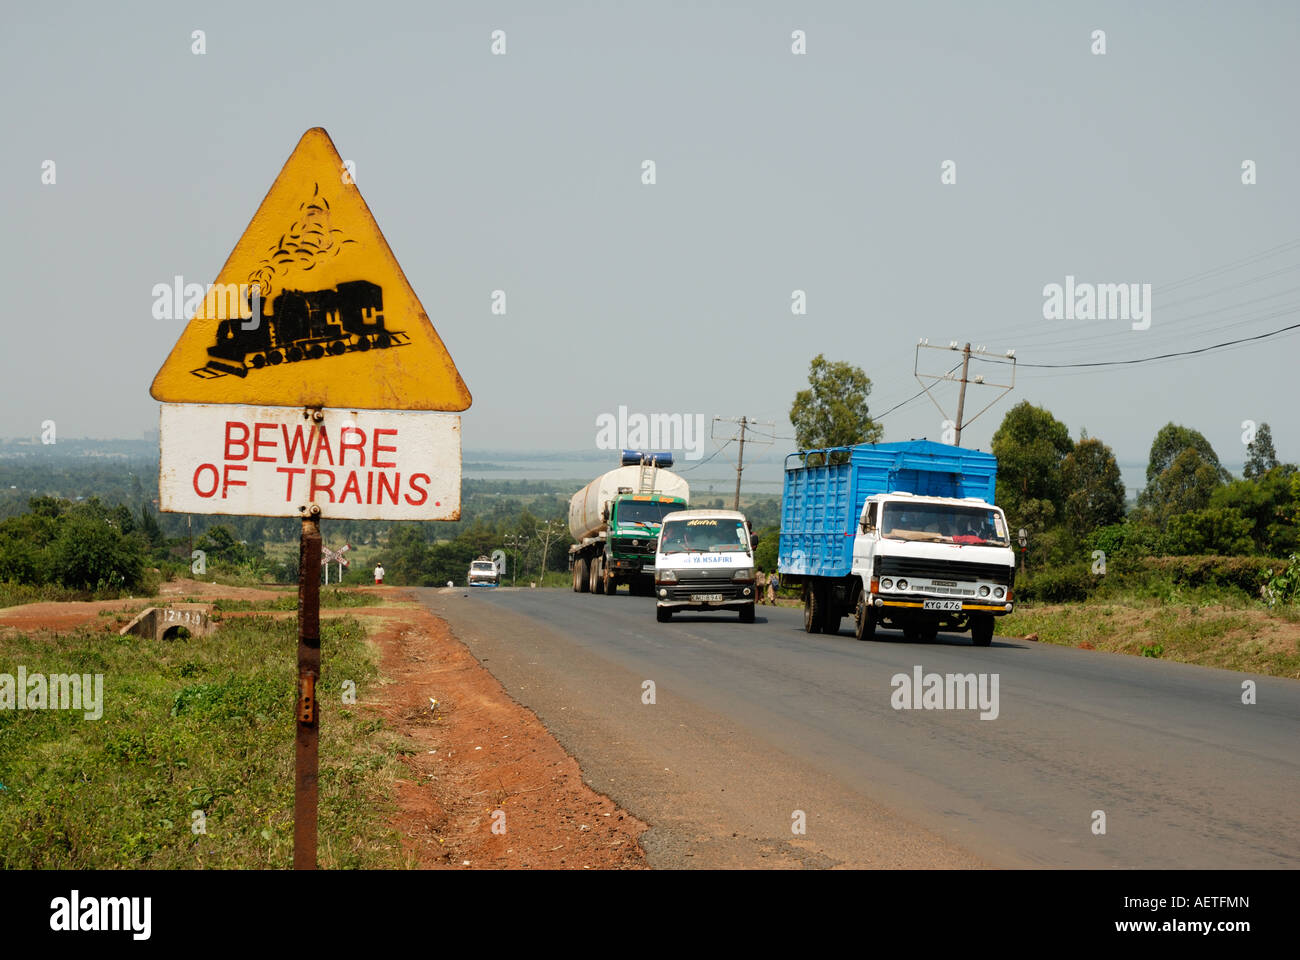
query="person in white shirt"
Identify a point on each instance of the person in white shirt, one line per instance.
(379, 574)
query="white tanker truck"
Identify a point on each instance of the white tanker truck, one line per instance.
(615, 523)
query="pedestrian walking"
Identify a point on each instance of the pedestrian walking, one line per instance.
(760, 582)
(773, 582)
(379, 574)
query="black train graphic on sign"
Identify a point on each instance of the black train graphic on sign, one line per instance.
(303, 325)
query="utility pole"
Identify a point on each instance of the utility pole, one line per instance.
(961, 422)
(745, 424)
(547, 533)
(517, 542)
(961, 395)
(740, 462)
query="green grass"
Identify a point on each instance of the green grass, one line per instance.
(17, 594)
(1188, 626)
(329, 598)
(192, 725)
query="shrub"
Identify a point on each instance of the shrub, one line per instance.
(1249, 574)
(1131, 539)
(1283, 586)
(1057, 584)
(1218, 530)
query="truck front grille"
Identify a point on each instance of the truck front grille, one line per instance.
(728, 590)
(915, 567)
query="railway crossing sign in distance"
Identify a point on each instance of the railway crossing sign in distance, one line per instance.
(308, 383)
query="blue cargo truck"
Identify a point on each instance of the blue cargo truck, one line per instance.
(903, 534)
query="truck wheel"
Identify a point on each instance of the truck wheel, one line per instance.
(610, 586)
(747, 613)
(596, 578)
(663, 614)
(830, 618)
(813, 599)
(981, 630)
(865, 626)
(581, 575)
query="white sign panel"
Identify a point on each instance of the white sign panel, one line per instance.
(272, 461)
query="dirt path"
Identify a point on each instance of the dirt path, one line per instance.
(67, 615)
(480, 761)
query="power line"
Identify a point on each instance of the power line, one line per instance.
(1178, 329)
(1018, 331)
(1162, 356)
(745, 423)
(1227, 267)
(879, 416)
(706, 459)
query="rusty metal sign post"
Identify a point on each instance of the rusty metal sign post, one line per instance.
(310, 383)
(306, 749)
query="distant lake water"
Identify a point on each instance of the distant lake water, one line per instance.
(764, 473)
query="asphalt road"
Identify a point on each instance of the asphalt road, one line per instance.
(753, 725)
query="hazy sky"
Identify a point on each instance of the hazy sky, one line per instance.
(775, 172)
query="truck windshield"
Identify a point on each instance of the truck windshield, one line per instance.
(645, 512)
(722, 535)
(484, 567)
(944, 523)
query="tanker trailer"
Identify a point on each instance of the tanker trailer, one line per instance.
(615, 523)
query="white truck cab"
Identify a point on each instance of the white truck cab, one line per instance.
(932, 562)
(704, 560)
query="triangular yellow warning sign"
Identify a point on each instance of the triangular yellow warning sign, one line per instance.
(312, 309)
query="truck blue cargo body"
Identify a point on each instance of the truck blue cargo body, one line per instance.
(820, 505)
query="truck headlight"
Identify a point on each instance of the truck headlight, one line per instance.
(665, 576)
(744, 573)
(998, 593)
(887, 584)
(902, 584)
(984, 591)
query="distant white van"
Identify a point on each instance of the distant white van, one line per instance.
(483, 573)
(704, 560)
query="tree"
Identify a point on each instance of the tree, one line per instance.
(1216, 530)
(832, 412)
(407, 555)
(1260, 455)
(219, 543)
(1269, 503)
(765, 554)
(1173, 440)
(23, 542)
(1182, 474)
(1031, 446)
(1186, 485)
(90, 553)
(149, 528)
(1094, 489)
